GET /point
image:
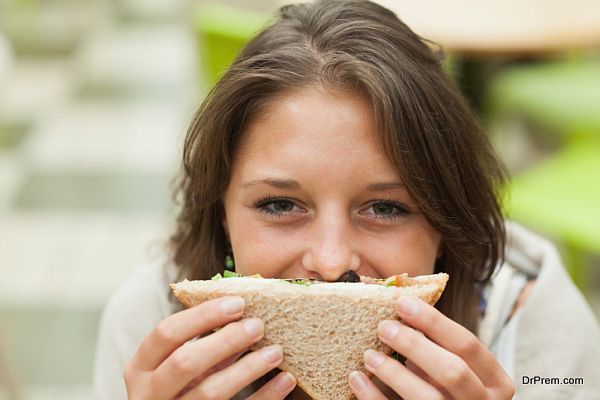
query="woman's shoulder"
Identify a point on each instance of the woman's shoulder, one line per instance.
(140, 301)
(533, 288)
(144, 294)
(546, 325)
(138, 304)
(533, 280)
(546, 286)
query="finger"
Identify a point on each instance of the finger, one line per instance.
(399, 378)
(451, 336)
(222, 365)
(412, 367)
(363, 387)
(196, 358)
(227, 362)
(277, 388)
(226, 383)
(172, 332)
(447, 369)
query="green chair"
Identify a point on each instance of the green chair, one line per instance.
(560, 197)
(561, 97)
(221, 32)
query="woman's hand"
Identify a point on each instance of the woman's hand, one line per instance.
(444, 360)
(168, 365)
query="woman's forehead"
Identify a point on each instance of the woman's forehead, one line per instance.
(311, 101)
(312, 115)
(331, 137)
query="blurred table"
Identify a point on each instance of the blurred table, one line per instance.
(511, 28)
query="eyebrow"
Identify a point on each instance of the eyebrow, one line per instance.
(278, 183)
(292, 184)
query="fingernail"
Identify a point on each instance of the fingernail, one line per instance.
(253, 327)
(272, 354)
(232, 305)
(388, 329)
(284, 381)
(358, 381)
(373, 359)
(408, 306)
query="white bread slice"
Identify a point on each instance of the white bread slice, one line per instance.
(324, 328)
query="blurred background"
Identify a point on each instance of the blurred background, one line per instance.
(95, 97)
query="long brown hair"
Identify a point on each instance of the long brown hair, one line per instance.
(426, 126)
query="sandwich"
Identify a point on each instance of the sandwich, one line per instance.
(323, 327)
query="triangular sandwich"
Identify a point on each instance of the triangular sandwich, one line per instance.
(324, 328)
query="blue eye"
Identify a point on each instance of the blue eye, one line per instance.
(385, 209)
(279, 206)
(389, 210)
(274, 206)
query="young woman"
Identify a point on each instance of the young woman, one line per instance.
(335, 142)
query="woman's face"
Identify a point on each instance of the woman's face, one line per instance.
(312, 194)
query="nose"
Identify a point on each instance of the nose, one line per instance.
(330, 251)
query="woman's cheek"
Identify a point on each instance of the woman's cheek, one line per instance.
(263, 252)
(414, 255)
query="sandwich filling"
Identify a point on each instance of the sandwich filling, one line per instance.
(393, 281)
